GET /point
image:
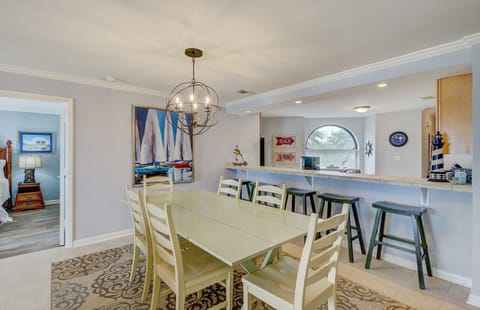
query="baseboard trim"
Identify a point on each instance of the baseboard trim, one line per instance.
(412, 265)
(473, 300)
(102, 238)
(51, 202)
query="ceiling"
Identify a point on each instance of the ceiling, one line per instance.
(257, 46)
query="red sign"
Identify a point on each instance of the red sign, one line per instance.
(284, 141)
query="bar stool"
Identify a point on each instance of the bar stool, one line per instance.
(353, 201)
(419, 241)
(298, 192)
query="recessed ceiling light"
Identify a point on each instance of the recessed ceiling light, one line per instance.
(362, 108)
(427, 97)
(243, 91)
(382, 85)
(298, 102)
(248, 111)
(110, 78)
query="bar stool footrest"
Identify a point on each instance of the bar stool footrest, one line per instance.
(401, 248)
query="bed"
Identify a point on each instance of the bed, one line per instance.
(5, 181)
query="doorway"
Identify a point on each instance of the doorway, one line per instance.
(63, 211)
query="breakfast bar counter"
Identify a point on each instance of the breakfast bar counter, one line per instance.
(448, 222)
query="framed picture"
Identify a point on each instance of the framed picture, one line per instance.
(159, 147)
(284, 141)
(35, 142)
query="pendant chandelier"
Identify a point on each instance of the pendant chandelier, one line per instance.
(195, 103)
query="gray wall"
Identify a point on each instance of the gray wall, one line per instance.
(13, 122)
(103, 149)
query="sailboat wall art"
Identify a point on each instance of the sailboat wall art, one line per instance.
(160, 148)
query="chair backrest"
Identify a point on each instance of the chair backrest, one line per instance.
(157, 183)
(166, 248)
(322, 264)
(139, 217)
(270, 195)
(229, 187)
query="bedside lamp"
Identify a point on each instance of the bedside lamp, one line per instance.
(29, 163)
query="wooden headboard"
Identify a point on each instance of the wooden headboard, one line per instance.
(6, 153)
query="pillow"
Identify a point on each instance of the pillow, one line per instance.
(2, 173)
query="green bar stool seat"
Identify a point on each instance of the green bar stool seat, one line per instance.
(353, 201)
(419, 241)
(304, 194)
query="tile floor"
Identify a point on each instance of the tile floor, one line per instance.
(25, 280)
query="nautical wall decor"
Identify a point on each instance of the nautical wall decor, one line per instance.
(437, 173)
(160, 148)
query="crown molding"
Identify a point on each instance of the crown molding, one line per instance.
(473, 39)
(79, 80)
(439, 50)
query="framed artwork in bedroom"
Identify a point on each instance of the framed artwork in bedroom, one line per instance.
(35, 142)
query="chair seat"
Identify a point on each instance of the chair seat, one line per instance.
(398, 208)
(299, 192)
(199, 268)
(278, 281)
(338, 198)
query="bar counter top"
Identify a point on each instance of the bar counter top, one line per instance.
(401, 181)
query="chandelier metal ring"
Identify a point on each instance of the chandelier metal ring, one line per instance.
(195, 103)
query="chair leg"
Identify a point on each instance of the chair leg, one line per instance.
(349, 239)
(358, 227)
(148, 276)
(380, 236)
(418, 253)
(155, 292)
(180, 299)
(312, 204)
(373, 239)
(424, 246)
(229, 290)
(322, 206)
(247, 298)
(136, 254)
(292, 206)
(332, 301)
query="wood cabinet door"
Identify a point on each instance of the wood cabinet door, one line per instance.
(455, 113)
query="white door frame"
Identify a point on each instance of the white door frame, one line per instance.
(66, 158)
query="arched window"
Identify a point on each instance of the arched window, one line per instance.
(336, 145)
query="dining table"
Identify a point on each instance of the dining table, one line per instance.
(234, 231)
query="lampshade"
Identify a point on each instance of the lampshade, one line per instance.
(29, 162)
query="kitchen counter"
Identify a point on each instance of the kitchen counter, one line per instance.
(402, 181)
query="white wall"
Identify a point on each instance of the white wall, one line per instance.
(403, 161)
(103, 149)
(369, 135)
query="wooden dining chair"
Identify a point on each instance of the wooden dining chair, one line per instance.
(183, 271)
(229, 187)
(270, 195)
(307, 284)
(142, 238)
(157, 183)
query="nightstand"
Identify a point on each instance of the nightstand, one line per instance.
(29, 196)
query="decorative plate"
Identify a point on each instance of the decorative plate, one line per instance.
(398, 138)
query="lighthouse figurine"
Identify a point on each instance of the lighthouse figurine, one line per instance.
(437, 173)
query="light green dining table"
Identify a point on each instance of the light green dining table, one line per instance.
(233, 230)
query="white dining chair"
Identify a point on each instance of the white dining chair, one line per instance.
(229, 187)
(270, 195)
(142, 241)
(307, 284)
(157, 183)
(183, 271)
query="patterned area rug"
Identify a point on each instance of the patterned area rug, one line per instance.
(101, 281)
